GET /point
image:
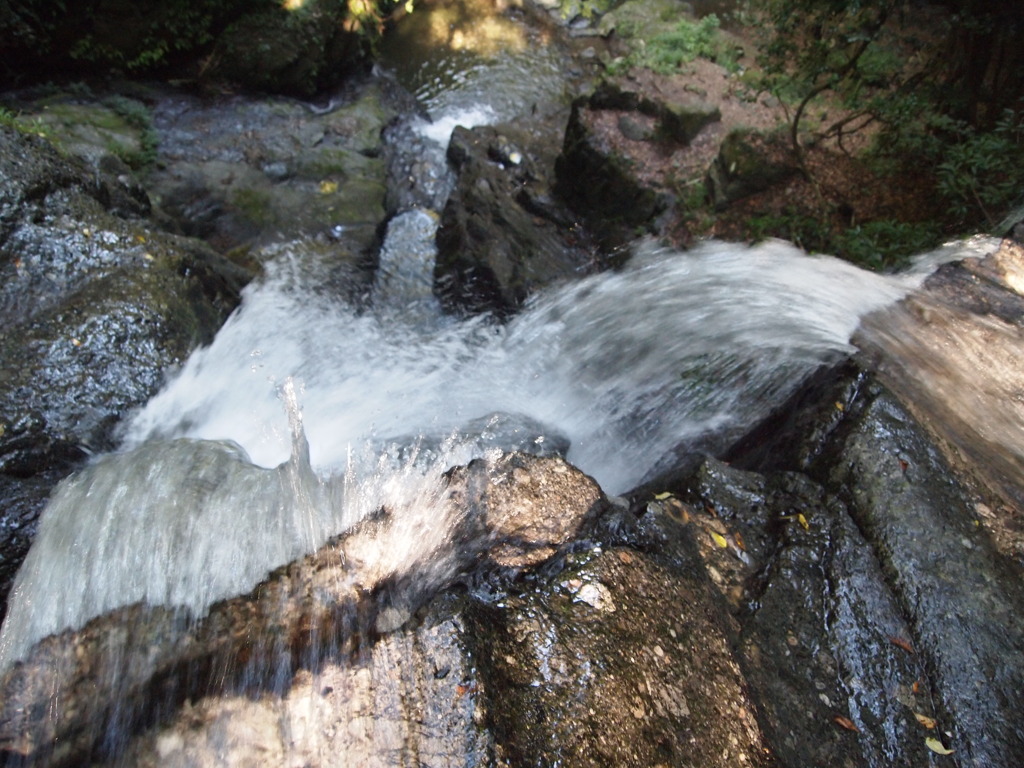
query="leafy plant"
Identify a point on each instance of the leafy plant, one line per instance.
(26, 125)
(982, 173)
(885, 244)
(817, 46)
(687, 40)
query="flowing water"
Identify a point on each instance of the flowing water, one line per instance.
(307, 413)
(214, 488)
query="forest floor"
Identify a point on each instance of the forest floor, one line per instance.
(843, 188)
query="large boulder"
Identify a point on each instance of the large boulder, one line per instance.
(325, 612)
(749, 162)
(620, 145)
(97, 308)
(502, 236)
(298, 51)
(588, 635)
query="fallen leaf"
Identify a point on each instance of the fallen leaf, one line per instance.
(710, 509)
(803, 522)
(900, 642)
(739, 541)
(845, 722)
(663, 496)
(927, 722)
(719, 539)
(840, 406)
(937, 746)
(916, 687)
(625, 557)
(678, 511)
(328, 187)
(903, 465)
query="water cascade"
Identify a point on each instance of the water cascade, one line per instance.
(623, 367)
(308, 414)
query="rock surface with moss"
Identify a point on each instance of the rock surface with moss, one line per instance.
(98, 307)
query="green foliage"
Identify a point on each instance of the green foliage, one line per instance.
(866, 58)
(806, 230)
(137, 37)
(665, 53)
(880, 245)
(137, 115)
(886, 244)
(27, 125)
(982, 173)
(818, 46)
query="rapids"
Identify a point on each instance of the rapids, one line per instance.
(308, 412)
(216, 485)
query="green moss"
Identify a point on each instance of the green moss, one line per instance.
(253, 204)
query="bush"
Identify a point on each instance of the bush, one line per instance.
(982, 173)
(686, 41)
(886, 244)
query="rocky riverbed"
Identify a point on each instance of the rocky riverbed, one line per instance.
(838, 586)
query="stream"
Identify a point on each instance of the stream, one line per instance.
(310, 412)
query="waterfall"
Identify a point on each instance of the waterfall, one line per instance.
(216, 486)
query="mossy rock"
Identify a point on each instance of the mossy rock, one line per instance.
(643, 19)
(749, 162)
(293, 52)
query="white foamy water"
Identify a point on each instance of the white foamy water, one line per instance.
(215, 488)
(632, 362)
(440, 130)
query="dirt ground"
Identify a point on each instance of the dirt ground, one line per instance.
(840, 190)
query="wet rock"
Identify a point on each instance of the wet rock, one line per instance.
(964, 603)
(952, 350)
(817, 620)
(244, 172)
(959, 597)
(620, 657)
(320, 617)
(749, 162)
(96, 309)
(588, 635)
(502, 235)
(418, 175)
(410, 698)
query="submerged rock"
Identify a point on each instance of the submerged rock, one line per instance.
(325, 613)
